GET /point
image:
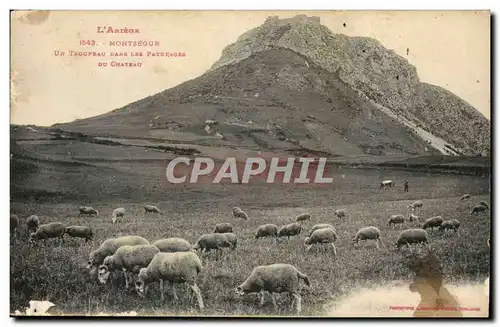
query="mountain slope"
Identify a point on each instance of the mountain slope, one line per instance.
(292, 84)
(273, 99)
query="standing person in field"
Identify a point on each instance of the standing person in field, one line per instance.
(406, 186)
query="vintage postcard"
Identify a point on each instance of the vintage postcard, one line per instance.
(250, 163)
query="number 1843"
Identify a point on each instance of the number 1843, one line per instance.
(87, 42)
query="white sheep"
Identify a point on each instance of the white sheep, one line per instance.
(238, 213)
(411, 236)
(322, 236)
(151, 208)
(178, 267)
(80, 231)
(223, 228)
(266, 230)
(84, 210)
(465, 196)
(386, 183)
(368, 233)
(396, 219)
(340, 213)
(275, 278)
(416, 204)
(452, 224)
(213, 241)
(32, 223)
(320, 226)
(232, 238)
(303, 217)
(109, 247)
(118, 212)
(433, 222)
(289, 230)
(128, 258)
(173, 244)
(46, 231)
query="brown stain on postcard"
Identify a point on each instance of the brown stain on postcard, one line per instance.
(35, 17)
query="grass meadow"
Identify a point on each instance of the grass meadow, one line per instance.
(57, 271)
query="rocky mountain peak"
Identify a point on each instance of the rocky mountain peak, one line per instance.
(362, 62)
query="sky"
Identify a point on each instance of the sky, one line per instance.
(449, 48)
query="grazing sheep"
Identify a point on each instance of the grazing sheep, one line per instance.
(50, 230)
(289, 230)
(150, 208)
(14, 223)
(238, 213)
(109, 247)
(213, 241)
(129, 258)
(396, 219)
(303, 217)
(368, 233)
(321, 226)
(232, 238)
(173, 244)
(88, 211)
(340, 213)
(32, 222)
(275, 278)
(178, 267)
(80, 231)
(223, 228)
(477, 209)
(433, 222)
(322, 236)
(465, 196)
(412, 217)
(428, 282)
(387, 183)
(118, 212)
(416, 204)
(452, 224)
(484, 203)
(266, 230)
(412, 236)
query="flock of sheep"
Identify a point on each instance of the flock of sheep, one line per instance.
(175, 260)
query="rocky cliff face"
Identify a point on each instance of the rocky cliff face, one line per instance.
(373, 71)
